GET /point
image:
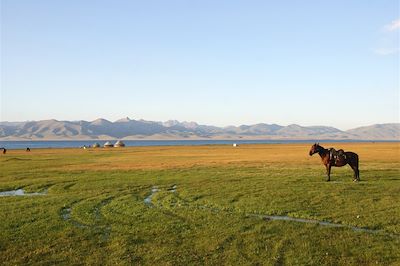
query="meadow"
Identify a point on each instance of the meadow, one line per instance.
(200, 205)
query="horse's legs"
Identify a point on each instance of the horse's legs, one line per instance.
(328, 172)
(356, 172)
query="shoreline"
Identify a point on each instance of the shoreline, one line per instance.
(79, 144)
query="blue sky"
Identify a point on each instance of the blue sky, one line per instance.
(332, 63)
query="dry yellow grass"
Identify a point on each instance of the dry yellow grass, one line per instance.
(166, 157)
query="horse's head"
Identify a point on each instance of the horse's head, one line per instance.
(315, 148)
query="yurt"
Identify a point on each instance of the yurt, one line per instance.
(119, 143)
(96, 145)
(108, 145)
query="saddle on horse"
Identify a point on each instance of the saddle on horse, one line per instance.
(336, 155)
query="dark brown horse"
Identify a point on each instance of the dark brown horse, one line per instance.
(340, 158)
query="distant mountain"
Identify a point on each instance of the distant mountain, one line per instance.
(379, 131)
(127, 128)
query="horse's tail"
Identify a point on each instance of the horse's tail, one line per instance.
(356, 159)
(356, 166)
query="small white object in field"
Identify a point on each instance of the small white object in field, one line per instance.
(358, 216)
(235, 145)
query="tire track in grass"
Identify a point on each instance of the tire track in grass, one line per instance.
(69, 186)
(150, 204)
(222, 246)
(105, 230)
(225, 243)
(148, 201)
(280, 253)
(66, 215)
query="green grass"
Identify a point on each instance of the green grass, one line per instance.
(94, 212)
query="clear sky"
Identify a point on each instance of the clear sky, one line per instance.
(333, 63)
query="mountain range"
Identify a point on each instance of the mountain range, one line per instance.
(126, 128)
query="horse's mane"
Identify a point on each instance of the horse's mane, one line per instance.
(320, 148)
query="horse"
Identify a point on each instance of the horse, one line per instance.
(340, 158)
(4, 150)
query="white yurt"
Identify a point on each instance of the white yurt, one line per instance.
(108, 145)
(119, 143)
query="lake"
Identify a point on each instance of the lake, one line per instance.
(133, 143)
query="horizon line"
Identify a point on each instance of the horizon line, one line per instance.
(201, 124)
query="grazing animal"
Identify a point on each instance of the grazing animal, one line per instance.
(27, 149)
(4, 150)
(331, 157)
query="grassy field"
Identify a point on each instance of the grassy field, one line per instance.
(95, 212)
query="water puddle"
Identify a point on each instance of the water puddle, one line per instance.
(147, 200)
(20, 192)
(310, 221)
(154, 190)
(66, 216)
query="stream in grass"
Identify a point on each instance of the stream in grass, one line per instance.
(310, 221)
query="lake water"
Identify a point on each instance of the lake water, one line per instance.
(133, 143)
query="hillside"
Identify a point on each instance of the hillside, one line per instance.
(141, 129)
